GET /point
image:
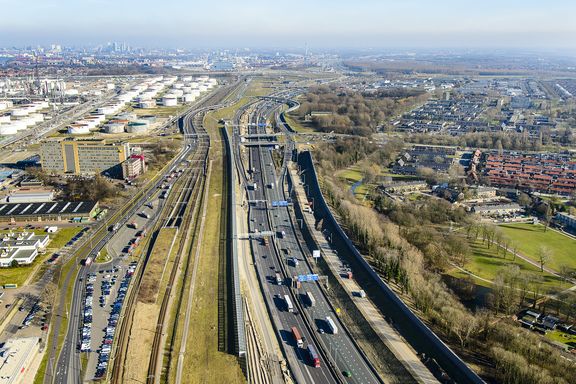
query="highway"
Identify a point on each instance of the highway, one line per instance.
(273, 256)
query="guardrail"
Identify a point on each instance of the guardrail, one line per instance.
(409, 325)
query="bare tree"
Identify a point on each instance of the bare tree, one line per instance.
(544, 255)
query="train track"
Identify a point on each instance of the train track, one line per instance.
(194, 179)
(189, 193)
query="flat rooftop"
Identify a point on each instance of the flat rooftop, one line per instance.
(47, 208)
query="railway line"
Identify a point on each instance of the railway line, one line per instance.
(183, 209)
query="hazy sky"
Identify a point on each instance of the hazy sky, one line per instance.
(521, 24)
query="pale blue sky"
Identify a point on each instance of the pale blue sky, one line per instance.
(521, 24)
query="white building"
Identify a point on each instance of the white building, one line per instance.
(21, 248)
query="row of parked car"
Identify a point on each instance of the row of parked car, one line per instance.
(77, 237)
(87, 313)
(106, 347)
(31, 315)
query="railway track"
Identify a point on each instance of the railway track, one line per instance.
(190, 193)
(181, 214)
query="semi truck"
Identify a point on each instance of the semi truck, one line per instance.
(289, 306)
(331, 325)
(297, 337)
(311, 299)
(313, 356)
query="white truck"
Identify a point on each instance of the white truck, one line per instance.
(311, 300)
(331, 325)
(289, 306)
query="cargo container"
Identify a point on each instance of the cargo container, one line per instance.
(331, 325)
(310, 298)
(313, 356)
(297, 337)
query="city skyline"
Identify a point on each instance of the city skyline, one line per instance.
(522, 25)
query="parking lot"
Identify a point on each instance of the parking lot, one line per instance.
(105, 293)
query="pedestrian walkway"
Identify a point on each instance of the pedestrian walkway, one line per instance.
(391, 338)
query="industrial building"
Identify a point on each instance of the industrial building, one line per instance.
(30, 196)
(50, 211)
(21, 248)
(83, 157)
(16, 357)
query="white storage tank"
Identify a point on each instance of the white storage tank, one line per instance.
(7, 129)
(169, 101)
(37, 117)
(188, 98)
(78, 129)
(114, 128)
(19, 124)
(137, 127)
(147, 104)
(20, 112)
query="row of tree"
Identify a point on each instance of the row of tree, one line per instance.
(405, 264)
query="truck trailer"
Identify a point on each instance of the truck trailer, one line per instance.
(297, 337)
(331, 325)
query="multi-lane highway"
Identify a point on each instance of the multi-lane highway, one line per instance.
(273, 257)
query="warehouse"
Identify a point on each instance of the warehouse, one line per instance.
(48, 211)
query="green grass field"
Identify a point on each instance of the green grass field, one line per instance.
(530, 237)
(351, 174)
(486, 264)
(297, 126)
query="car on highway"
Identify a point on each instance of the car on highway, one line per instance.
(347, 373)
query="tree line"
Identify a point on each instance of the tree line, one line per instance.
(407, 253)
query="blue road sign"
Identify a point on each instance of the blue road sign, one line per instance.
(281, 203)
(310, 277)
